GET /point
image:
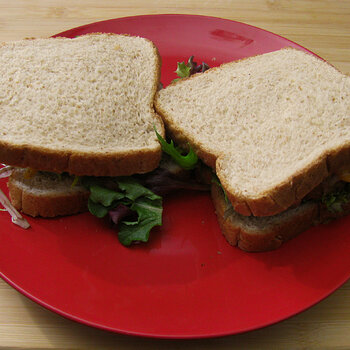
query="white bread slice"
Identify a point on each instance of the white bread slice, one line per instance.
(272, 126)
(82, 105)
(257, 234)
(46, 194)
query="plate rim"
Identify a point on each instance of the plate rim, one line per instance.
(81, 27)
(82, 321)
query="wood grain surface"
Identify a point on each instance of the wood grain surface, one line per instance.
(321, 26)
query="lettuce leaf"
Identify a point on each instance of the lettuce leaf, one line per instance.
(187, 162)
(129, 194)
(334, 201)
(149, 215)
(104, 196)
(183, 70)
(97, 209)
(119, 213)
(216, 181)
(133, 189)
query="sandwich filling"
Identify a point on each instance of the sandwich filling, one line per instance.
(332, 198)
(132, 203)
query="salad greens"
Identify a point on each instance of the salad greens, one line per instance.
(334, 201)
(186, 162)
(144, 208)
(149, 215)
(134, 208)
(216, 181)
(185, 70)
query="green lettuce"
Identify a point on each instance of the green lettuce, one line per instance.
(134, 190)
(183, 70)
(334, 201)
(104, 196)
(149, 215)
(216, 181)
(146, 205)
(186, 162)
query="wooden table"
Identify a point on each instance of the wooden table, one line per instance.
(321, 26)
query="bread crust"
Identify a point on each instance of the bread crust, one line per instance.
(290, 192)
(79, 163)
(274, 236)
(47, 205)
(90, 163)
(279, 198)
(283, 196)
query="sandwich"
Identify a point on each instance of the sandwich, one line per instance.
(275, 130)
(76, 114)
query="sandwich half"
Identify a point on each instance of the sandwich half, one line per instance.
(77, 107)
(275, 129)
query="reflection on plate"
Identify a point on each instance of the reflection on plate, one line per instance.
(187, 281)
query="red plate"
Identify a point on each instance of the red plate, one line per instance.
(187, 282)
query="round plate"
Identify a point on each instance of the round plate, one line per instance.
(187, 282)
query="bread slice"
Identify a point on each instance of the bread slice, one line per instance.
(82, 105)
(46, 194)
(272, 126)
(256, 234)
